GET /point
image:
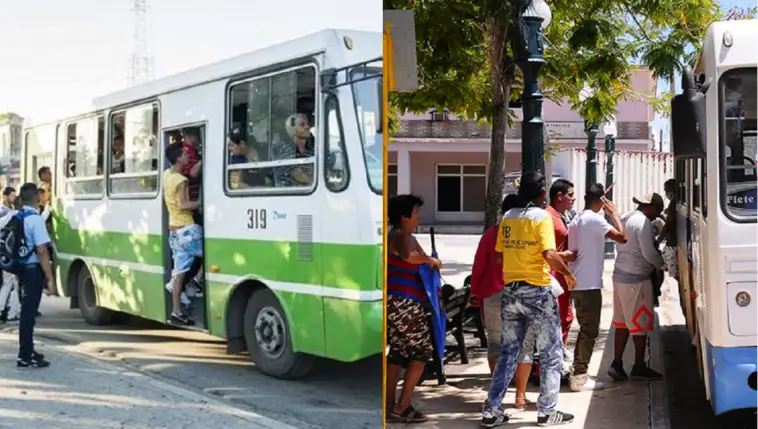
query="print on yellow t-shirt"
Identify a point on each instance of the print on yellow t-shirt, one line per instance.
(522, 237)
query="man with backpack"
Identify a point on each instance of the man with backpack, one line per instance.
(24, 251)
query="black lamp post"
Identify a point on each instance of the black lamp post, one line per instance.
(531, 17)
(610, 152)
(591, 129)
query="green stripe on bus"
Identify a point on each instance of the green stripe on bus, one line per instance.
(346, 266)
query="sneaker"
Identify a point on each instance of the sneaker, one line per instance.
(568, 356)
(617, 372)
(181, 319)
(35, 361)
(490, 419)
(645, 373)
(194, 289)
(184, 298)
(197, 287)
(583, 383)
(554, 419)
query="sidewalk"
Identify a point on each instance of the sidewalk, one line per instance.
(78, 391)
(459, 403)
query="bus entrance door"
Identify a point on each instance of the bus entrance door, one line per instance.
(192, 312)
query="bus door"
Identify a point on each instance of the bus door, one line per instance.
(193, 297)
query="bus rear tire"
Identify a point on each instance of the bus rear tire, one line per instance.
(87, 298)
(269, 339)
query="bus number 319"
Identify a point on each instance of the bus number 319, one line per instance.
(256, 218)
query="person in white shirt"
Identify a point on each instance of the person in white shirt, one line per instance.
(633, 312)
(586, 238)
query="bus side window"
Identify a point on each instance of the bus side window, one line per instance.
(134, 151)
(84, 142)
(336, 171)
(277, 115)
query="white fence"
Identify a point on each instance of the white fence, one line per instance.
(635, 173)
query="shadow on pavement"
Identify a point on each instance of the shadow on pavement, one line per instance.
(335, 395)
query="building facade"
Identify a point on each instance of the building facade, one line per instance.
(444, 160)
(11, 133)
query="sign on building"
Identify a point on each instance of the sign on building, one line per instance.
(565, 130)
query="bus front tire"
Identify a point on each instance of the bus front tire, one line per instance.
(87, 298)
(269, 339)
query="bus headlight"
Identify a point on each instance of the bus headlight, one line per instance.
(743, 299)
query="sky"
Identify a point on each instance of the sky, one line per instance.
(662, 123)
(57, 55)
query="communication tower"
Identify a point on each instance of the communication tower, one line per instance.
(141, 62)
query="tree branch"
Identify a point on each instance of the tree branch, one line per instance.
(639, 25)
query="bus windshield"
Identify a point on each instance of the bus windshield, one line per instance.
(368, 105)
(737, 94)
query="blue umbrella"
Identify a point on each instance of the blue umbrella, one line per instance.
(433, 285)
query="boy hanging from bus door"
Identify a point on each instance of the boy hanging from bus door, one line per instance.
(185, 236)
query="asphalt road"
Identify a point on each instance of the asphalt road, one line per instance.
(680, 397)
(335, 396)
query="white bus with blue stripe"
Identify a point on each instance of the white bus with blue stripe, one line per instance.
(714, 136)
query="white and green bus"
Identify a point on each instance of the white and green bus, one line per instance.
(291, 271)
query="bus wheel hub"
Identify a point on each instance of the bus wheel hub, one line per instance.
(269, 332)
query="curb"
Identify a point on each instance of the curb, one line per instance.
(659, 411)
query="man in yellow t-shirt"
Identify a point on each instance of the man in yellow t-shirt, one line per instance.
(185, 236)
(526, 248)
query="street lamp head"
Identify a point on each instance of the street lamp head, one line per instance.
(539, 9)
(586, 93)
(609, 129)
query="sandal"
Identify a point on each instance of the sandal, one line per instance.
(410, 415)
(522, 403)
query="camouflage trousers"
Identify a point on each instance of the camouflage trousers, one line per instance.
(408, 333)
(534, 308)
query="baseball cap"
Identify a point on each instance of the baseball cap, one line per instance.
(236, 135)
(649, 199)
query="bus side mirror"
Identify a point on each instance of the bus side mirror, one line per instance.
(688, 117)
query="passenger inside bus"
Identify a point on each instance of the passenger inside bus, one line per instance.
(242, 153)
(117, 157)
(300, 145)
(190, 145)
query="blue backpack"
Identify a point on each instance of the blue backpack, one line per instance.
(14, 250)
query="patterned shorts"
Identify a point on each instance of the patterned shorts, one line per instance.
(186, 244)
(408, 333)
(669, 260)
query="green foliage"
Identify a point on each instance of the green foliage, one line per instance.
(596, 43)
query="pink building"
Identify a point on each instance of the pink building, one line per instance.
(444, 160)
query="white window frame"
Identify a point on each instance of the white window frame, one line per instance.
(81, 179)
(460, 216)
(318, 146)
(394, 164)
(108, 153)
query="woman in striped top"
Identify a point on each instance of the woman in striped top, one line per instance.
(408, 332)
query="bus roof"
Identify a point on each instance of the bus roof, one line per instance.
(311, 44)
(742, 53)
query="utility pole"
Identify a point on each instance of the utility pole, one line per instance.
(141, 61)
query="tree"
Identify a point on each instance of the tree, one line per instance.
(467, 65)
